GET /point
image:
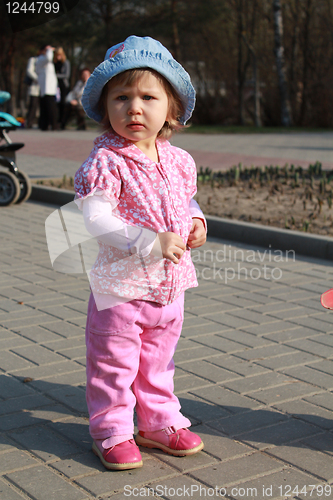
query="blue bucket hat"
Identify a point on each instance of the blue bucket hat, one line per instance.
(136, 52)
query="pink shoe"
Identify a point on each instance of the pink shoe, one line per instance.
(122, 456)
(179, 443)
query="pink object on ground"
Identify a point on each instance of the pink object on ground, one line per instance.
(327, 299)
(179, 443)
(120, 457)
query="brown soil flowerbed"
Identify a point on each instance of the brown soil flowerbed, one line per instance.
(284, 197)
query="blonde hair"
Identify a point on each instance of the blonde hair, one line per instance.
(131, 77)
(60, 50)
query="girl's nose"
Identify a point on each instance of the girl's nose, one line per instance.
(134, 107)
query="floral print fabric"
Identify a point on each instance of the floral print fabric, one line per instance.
(143, 193)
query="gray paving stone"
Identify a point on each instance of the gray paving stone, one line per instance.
(308, 412)
(44, 443)
(250, 385)
(308, 345)
(65, 329)
(58, 343)
(271, 486)
(5, 334)
(238, 365)
(61, 312)
(288, 360)
(209, 371)
(80, 465)
(37, 319)
(13, 293)
(188, 382)
(74, 397)
(322, 442)
(249, 421)
(197, 352)
(277, 326)
(183, 464)
(13, 342)
(247, 339)
(220, 446)
(209, 327)
(316, 324)
(260, 353)
(177, 487)
(324, 399)
(37, 334)
(32, 417)
(12, 388)
(73, 353)
(15, 460)
(287, 392)
(201, 410)
(38, 480)
(199, 321)
(24, 403)
(7, 492)
(233, 402)
(47, 371)
(311, 461)
(37, 354)
(276, 435)
(106, 482)
(253, 316)
(229, 321)
(299, 312)
(75, 429)
(237, 470)
(292, 334)
(324, 339)
(8, 305)
(220, 344)
(307, 374)
(276, 307)
(77, 377)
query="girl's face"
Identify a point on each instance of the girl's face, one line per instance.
(138, 112)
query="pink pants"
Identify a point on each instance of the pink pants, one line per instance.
(129, 364)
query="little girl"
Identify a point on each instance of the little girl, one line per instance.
(135, 191)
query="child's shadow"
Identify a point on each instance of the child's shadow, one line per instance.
(51, 421)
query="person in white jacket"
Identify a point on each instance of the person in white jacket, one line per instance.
(33, 91)
(48, 83)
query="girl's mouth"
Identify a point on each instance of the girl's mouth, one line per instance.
(135, 126)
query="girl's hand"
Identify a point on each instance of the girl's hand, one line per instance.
(172, 246)
(197, 235)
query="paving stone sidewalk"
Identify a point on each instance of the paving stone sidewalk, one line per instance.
(254, 375)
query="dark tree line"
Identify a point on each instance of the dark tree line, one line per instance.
(252, 61)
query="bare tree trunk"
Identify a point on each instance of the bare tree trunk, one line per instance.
(308, 14)
(240, 72)
(175, 34)
(7, 54)
(256, 90)
(286, 116)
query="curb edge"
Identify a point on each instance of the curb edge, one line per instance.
(230, 230)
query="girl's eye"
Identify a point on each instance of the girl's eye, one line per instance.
(147, 97)
(122, 98)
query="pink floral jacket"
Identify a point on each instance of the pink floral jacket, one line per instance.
(152, 195)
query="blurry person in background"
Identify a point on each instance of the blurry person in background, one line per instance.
(73, 102)
(63, 72)
(48, 88)
(31, 80)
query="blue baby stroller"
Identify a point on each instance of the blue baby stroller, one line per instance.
(15, 185)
